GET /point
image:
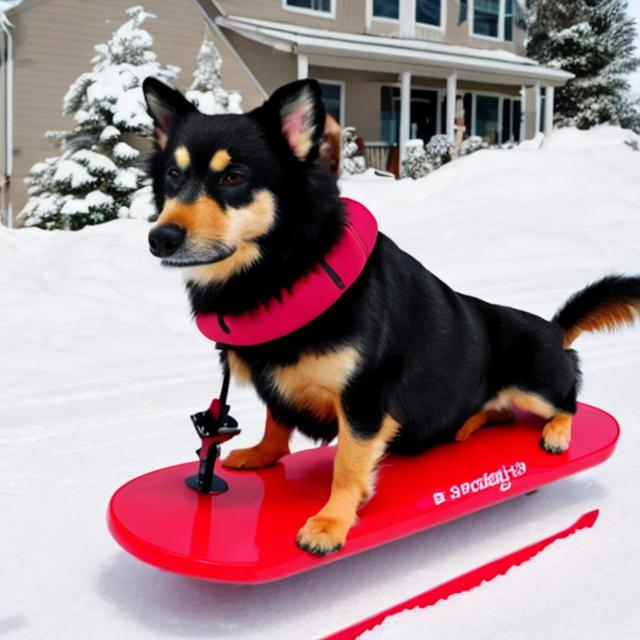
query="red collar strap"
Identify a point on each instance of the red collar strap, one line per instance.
(309, 297)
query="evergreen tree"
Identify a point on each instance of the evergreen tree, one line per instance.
(95, 177)
(594, 39)
(206, 91)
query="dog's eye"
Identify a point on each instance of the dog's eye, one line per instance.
(232, 178)
(173, 173)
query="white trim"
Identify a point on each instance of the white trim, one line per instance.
(405, 112)
(474, 108)
(407, 19)
(316, 13)
(538, 104)
(452, 82)
(302, 66)
(439, 101)
(377, 51)
(548, 110)
(343, 92)
(523, 113)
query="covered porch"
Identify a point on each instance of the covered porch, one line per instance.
(395, 89)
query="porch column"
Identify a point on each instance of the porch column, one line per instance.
(537, 106)
(303, 66)
(523, 113)
(548, 111)
(405, 111)
(452, 81)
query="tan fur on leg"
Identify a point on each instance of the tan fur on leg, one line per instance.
(353, 483)
(274, 445)
(472, 424)
(480, 419)
(556, 434)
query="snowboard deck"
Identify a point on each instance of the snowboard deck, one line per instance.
(247, 535)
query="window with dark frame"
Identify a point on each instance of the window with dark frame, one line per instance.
(428, 12)
(386, 9)
(332, 99)
(321, 6)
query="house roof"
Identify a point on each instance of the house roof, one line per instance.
(358, 51)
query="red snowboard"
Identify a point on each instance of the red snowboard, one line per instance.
(247, 535)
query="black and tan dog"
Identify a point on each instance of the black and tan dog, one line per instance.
(401, 361)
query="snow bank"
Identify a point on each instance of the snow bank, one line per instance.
(101, 366)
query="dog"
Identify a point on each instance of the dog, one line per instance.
(400, 362)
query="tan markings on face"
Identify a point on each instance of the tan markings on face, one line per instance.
(183, 160)
(240, 370)
(315, 383)
(220, 160)
(203, 219)
(244, 225)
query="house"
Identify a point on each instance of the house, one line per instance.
(394, 69)
(399, 69)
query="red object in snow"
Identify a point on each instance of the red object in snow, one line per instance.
(247, 535)
(308, 297)
(466, 581)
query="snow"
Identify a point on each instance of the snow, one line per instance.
(101, 367)
(75, 174)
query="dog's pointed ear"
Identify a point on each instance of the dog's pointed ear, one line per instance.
(166, 106)
(299, 111)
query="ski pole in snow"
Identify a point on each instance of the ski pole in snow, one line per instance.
(466, 581)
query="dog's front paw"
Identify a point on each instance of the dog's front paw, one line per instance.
(322, 535)
(252, 458)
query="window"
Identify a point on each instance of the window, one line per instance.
(462, 14)
(511, 117)
(487, 118)
(428, 12)
(314, 6)
(508, 20)
(486, 17)
(497, 119)
(332, 97)
(423, 114)
(492, 18)
(386, 9)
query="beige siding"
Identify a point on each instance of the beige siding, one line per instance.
(271, 68)
(349, 14)
(54, 43)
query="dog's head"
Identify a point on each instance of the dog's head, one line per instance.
(225, 184)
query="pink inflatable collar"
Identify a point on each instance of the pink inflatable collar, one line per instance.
(309, 297)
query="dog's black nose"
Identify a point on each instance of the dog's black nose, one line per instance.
(165, 239)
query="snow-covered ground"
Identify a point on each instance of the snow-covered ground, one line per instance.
(101, 366)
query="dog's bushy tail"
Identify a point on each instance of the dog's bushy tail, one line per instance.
(605, 305)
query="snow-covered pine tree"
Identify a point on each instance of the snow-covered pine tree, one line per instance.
(206, 90)
(95, 177)
(594, 39)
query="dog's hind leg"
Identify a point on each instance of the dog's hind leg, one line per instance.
(353, 483)
(556, 434)
(274, 445)
(480, 419)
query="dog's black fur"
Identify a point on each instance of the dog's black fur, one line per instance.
(429, 357)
